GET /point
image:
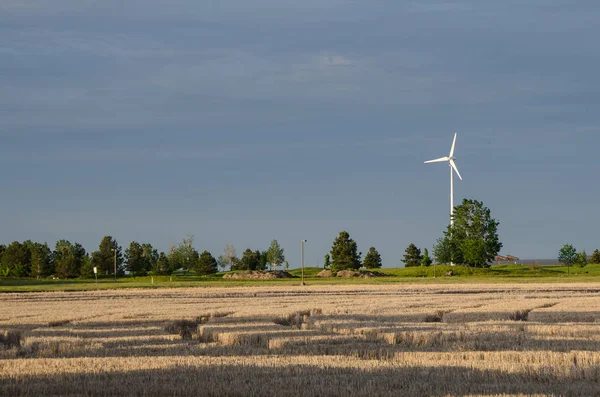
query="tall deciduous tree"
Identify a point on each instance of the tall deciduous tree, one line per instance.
(134, 256)
(250, 261)
(229, 257)
(567, 256)
(344, 253)
(86, 270)
(412, 256)
(104, 257)
(16, 260)
(443, 250)
(183, 255)
(68, 259)
(473, 239)
(162, 265)
(275, 255)
(372, 259)
(150, 256)
(207, 264)
(41, 260)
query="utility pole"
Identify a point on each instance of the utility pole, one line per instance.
(303, 241)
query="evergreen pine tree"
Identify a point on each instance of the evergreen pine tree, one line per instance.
(344, 253)
(206, 264)
(412, 256)
(372, 259)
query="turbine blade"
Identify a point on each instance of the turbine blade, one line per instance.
(453, 165)
(453, 145)
(438, 160)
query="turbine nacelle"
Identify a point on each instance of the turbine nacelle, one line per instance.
(449, 159)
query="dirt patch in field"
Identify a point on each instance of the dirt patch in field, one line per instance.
(362, 274)
(258, 275)
(325, 273)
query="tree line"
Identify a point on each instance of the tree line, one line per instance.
(69, 260)
(471, 240)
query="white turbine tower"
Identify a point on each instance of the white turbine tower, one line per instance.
(452, 164)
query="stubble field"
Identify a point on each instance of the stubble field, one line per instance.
(387, 340)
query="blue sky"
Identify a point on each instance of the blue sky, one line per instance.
(243, 121)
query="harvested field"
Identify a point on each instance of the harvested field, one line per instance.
(440, 340)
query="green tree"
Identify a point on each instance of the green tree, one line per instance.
(183, 255)
(64, 259)
(264, 260)
(261, 255)
(344, 253)
(236, 264)
(582, 259)
(207, 264)
(595, 258)
(443, 250)
(287, 265)
(275, 255)
(86, 270)
(2, 249)
(162, 265)
(16, 260)
(150, 255)
(134, 257)
(229, 257)
(41, 260)
(104, 257)
(473, 239)
(68, 259)
(567, 256)
(474, 252)
(250, 261)
(412, 256)
(327, 262)
(372, 259)
(426, 260)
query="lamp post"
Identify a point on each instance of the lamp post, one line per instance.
(303, 241)
(115, 251)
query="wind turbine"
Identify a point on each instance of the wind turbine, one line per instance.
(452, 164)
